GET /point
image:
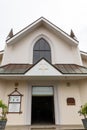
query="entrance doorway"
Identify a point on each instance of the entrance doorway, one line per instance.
(43, 108)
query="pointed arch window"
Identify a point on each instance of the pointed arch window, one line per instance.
(41, 50)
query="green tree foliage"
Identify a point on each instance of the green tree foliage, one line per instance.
(4, 108)
(83, 110)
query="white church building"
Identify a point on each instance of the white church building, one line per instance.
(43, 78)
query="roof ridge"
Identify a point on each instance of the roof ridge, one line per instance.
(46, 20)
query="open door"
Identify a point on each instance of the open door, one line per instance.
(43, 108)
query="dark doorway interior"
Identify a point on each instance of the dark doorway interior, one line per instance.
(42, 110)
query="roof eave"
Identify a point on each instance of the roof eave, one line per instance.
(66, 77)
(38, 23)
(24, 31)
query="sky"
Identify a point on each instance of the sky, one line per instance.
(66, 14)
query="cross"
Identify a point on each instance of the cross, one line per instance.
(43, 67)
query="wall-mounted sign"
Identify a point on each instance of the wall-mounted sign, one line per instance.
(15, 99)
(14, 107)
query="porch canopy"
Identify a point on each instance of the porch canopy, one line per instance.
(43, 70)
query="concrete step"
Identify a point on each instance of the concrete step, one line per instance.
(42, 128)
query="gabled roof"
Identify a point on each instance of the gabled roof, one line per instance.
(25, 69)
(43, 68)
(83, 54)
(47, 24)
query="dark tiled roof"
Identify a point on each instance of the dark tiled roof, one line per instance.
(71, 69)
(14, 68)
(23, 68)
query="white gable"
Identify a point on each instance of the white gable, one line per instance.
(19, 48)
(42, 21)
(43, 68)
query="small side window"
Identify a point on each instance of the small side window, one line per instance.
(71, 101)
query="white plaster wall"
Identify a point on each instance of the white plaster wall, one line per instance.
(64, 114)
(28, 100)
(5, 89)
(0, 60)
(25, 88)
(83, 91)
(69, 113)
(84, 61)
(22, 51)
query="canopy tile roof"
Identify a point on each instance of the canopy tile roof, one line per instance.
(14, 68)
(23, 68)
(71, 69)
